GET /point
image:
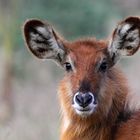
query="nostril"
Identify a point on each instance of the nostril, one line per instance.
(79, 99)
(87, 99)
(83, 99)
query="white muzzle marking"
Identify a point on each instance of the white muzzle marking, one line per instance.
(84, 111)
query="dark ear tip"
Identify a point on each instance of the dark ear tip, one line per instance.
(27, 27)
(33, 21)
(30, 23)
(133, 20)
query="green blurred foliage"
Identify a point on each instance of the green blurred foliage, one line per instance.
(73, 19)
(36, 82)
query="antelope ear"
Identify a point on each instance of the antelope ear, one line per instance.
(125, 40)
(43, 41)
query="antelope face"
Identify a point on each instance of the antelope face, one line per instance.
(87, 62)
(86, 66)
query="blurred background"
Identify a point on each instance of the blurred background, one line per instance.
(29, 107)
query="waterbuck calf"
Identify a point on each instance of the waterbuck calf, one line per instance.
(94, 95)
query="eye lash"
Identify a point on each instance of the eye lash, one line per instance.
(67, 66)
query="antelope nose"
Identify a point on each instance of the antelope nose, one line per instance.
(83, 99)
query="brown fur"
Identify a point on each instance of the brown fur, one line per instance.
(102, 124)
(114, 118)
(129, 130)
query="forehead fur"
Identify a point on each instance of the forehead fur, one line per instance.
(87, 48)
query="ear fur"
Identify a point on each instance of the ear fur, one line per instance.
(43, 41)
(125, 40)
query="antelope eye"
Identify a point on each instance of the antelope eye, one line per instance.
(68, 66)
(103, 67)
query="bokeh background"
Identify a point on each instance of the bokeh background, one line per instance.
(29, 107)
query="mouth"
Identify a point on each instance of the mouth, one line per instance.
(84, 111)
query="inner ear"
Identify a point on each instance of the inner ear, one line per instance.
(43, 41)
(125, 39)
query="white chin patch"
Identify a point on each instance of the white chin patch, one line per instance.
(84, 113)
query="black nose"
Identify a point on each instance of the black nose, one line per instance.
(83, 99)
